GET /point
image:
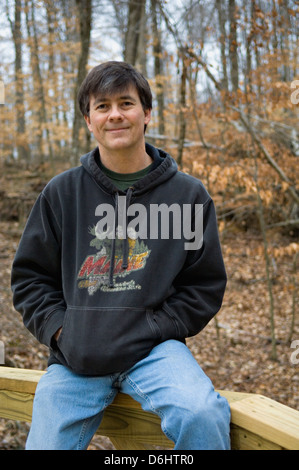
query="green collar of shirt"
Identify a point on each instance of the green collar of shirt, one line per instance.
(124, 180)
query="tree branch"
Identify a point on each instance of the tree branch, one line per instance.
(269, 158)
(187, 51)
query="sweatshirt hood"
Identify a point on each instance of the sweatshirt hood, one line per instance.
(164, 168)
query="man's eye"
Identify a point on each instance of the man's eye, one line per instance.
(101, 106)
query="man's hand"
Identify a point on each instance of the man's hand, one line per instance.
(57, 334)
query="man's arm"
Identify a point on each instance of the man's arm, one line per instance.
(199, 287)
(36, 274)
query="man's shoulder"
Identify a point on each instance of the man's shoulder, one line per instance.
(186, 178)
(190, 183)
(65, 177)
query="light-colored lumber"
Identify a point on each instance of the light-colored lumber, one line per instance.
(16, 405)
(268, 419)
(257, 422)
(129, 421)
(19, 380)
(243, 439)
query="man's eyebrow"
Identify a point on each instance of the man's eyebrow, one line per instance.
(127, 97)
(101, 99)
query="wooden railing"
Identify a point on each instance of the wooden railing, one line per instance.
(257, 422)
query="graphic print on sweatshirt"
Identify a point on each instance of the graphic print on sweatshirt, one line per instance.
(94, 272)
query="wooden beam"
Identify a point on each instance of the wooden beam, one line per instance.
(19, 380)
(257, 422)
(242, 439)
(268, 419)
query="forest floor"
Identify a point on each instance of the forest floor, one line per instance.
(235, 351)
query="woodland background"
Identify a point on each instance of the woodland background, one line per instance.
(226, 90)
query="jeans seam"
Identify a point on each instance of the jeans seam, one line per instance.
(86, 421)
(107, 400)
(157, 412)
(82, 433)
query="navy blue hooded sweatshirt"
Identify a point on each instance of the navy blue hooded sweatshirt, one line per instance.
(117, 296)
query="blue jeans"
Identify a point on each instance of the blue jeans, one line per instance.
(68, 408)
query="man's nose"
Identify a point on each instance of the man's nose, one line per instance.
(115, 113)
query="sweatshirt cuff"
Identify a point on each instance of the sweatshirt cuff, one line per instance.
(53, 323)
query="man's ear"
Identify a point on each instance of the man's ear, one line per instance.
(147, 116)
(87, 120)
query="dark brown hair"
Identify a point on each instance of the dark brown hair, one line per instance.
(110, 77)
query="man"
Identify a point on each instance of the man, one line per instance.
(114, 294)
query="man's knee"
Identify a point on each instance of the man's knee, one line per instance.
(213, 409)
(200, 422)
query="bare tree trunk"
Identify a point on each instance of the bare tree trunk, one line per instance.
(294, 299)
(141, 59)
(37, 119)
(136, 12)
(157, 49)
(233, 45)
(274, 38)
(67, 63)
(84, 12)
(38, 84)
(267, 262)
(52, 74)
(284, 40)
(249, 21)
(221, 22)
(182, 119)
(21, 139)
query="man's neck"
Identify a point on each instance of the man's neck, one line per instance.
(125, 160)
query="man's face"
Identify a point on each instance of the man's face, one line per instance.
(117, 121)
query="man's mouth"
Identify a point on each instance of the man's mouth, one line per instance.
(117, 129)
